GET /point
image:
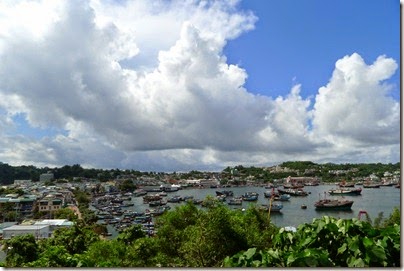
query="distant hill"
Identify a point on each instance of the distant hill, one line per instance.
(326, 171)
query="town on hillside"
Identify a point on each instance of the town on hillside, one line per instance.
(40, 200)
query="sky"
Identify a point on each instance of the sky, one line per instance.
(198, 85)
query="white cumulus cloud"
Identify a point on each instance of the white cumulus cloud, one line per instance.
(145, 85)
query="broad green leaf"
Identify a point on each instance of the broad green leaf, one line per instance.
(256, 263)
(250, 253)
(306, 241)
(353, 244)
(367, 242)
(290, 260)
(379, 252)
(342, 249)
(356, 262)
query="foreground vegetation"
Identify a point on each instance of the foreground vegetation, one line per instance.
(216, 237)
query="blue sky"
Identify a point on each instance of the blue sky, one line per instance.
(182, 85)
(299, 41)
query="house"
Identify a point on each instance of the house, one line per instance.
(55, 223)
(38, 231)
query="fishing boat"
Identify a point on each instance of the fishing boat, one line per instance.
(174, 199)
(270, 193)
(282, 197)
(235, 201)
(275, 207)
(227, 193)
(346, 184)
(371, 185)
(333, 204)
(149, 198)
(250, 196)
(293, 192)
(139, 192)
(345, 191)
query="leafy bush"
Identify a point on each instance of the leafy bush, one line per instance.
(327, 242)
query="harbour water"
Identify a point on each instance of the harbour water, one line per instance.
(371, 200)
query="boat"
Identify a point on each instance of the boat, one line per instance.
(170, 188)
(293, 185)
(158, 211)
(227, 193)
(149, 198)
(345, 191)
(312, 183)
(250, 196)
(270, 193)
(371, 185)
(157, 203)
(386, 183)
(275, 207)
(346, 184)
(333, 204)
(153, 189)
(139, 193)
(174, 199)
(303, 206)
(221, 198)
(282, 197)
(293, 192)
(235, 201)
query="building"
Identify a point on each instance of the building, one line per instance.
(55, 224)
(38, 231)
(49, 204)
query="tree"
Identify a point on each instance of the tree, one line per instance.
(129, 235)
(55, 256)
(20, 250)
(75, 239)
(65, 213)
(105, 253)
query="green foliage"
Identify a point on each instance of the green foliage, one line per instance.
(104, 254)
(216, 237)
(55, 256)
(20, 250)
(394, 218)
(192, 237)
(327, 242)
(131, 234)
(65, 213)
(76, 239)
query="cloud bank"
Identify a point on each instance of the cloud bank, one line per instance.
(145, 85)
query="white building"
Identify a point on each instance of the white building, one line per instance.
(38, 231)
(54, 223)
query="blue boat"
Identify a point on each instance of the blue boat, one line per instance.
(250, 196)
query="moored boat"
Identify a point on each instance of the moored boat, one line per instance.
(227, 193)
(293, 192)
(235, 201)
(139, 192)
(250, 196)
(275, 207)
(282, 197)
(371, 185)
(346, 184)
(333, 204)
(345, 191)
